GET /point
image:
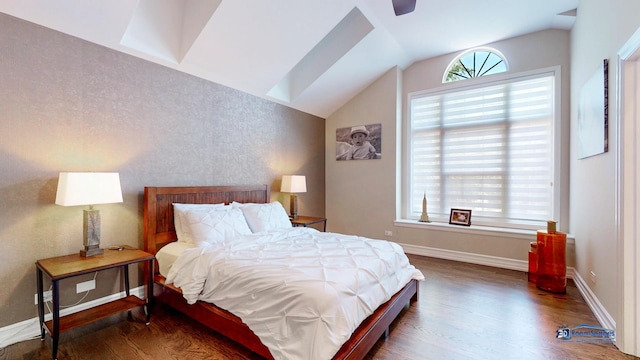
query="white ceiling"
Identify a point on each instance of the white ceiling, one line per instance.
(311, 55)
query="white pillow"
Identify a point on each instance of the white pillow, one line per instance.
(264, 217)
(180, 223)
(169, 254)
(216, 224)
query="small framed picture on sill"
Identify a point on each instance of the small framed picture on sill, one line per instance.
(460, 217)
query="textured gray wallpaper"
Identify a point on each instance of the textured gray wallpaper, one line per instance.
(69, 105)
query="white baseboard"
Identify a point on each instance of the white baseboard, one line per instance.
(30, 329)
(605, 319)
(499, 262)
(590, 298)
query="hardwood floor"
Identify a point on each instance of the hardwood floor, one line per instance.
(465, 311)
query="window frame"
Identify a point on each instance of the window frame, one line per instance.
(443, 88)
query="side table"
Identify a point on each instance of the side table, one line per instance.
(309, 220)
(63, 267)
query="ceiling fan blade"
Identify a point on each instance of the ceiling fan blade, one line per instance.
(402, 7)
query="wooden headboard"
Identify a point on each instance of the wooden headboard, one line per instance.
(159, 229)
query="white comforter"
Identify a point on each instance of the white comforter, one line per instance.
(301, 291)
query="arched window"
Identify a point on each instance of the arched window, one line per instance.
(475, 63)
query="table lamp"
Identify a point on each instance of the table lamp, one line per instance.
(293, 184)
(89, 188)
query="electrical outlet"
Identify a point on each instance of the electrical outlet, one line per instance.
(85, 286)
(48, 297)
(388, 233)
(593, 276)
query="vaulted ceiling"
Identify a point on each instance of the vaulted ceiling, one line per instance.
(311, 55)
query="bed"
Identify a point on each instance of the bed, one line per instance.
(159, 231)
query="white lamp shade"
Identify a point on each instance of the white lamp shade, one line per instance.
(88, 188)
(293, 184)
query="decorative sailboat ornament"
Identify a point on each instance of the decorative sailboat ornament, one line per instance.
(424, 217)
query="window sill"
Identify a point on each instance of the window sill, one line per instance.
(529, 235)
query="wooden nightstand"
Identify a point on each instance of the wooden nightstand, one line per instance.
(63, 267)
(309, 220)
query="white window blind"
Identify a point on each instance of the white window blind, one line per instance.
(487, 148)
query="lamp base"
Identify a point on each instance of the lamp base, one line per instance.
(91, 251)
(293, 206)
(91, 233)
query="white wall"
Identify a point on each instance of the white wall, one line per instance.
(601, 29)
(361, 194)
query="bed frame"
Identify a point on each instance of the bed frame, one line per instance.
(159, 231)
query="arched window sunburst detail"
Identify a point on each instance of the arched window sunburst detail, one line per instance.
(475, 63)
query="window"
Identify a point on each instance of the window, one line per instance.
(475, 63)
(488, 147)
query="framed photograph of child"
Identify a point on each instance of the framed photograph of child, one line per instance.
(359, 142)
(460, 217)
